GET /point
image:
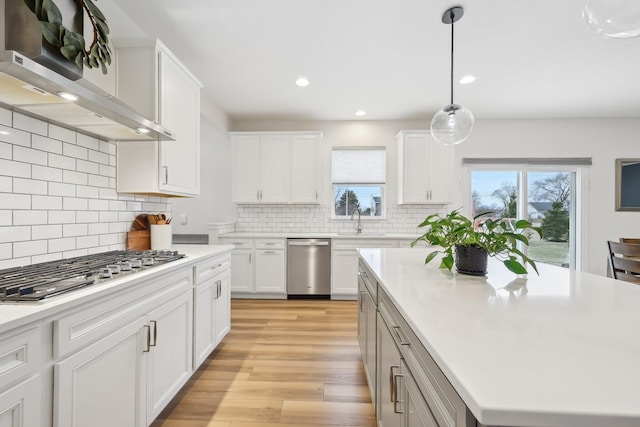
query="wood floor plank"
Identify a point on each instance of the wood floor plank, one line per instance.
(285, 363)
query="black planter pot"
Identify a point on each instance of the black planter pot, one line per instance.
(471, 260)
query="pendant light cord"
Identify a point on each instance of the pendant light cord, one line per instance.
(452, 14)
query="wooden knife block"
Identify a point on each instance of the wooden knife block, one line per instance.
(139, 240)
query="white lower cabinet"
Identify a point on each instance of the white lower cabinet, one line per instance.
(20, 405)
(344, 263)
(103, 385)
(258, 268)
(169, 357)
(212, 315)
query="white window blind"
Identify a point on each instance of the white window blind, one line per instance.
(359, 165)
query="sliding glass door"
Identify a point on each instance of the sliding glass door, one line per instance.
(546, 196)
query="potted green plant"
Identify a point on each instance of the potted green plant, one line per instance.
(474, 240)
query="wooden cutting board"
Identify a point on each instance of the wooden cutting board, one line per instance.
(139, 240)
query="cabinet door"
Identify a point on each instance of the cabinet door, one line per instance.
(441, 172)
(20, 406)
(242, 270)
(389, 381)
(274, 169)
(415, 170)
(204, 320)
(270, 271)
(245, 168)
(180, 112)
(103, 385)
(371, 356)
(223, 307)
(344, 272)
(415, 410)
(169, 360)
(304, 169)
(362, 321)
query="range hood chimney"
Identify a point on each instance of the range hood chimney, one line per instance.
(33, 74)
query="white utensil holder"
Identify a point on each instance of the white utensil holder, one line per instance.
(161, 237)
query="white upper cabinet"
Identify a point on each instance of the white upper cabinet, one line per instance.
(425, 169)
(154, 83)
(275, 167)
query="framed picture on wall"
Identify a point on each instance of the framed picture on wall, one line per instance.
(628, 184)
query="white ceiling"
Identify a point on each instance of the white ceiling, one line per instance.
(391, 57)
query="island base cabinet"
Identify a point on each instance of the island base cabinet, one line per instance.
(415, 411)
(389, 365)
(20, 405)
(102, 385)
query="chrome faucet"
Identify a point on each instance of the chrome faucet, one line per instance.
(359, 229)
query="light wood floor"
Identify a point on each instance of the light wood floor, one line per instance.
(285, 363)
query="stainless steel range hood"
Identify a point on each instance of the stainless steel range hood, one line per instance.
(30, 82)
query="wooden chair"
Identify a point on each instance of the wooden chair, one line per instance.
(632, 240)
(624, 259)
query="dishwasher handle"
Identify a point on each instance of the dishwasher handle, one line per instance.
(308, 243)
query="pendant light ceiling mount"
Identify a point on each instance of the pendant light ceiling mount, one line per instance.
(453, 123)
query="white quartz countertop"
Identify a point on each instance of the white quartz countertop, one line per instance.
(340, 235)
(559, 349)
(14, 315)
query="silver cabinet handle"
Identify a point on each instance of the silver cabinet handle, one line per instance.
(219, 288)
(316, 195)
(258, 195)
(361, 302)
(155, 333)
(396, 400)
(308, 243)
(269, 252)
(249, 258)
(148, 339)
(396, 329)
(392, 383)
(166, 174)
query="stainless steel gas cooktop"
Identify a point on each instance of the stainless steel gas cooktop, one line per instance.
(40, 281)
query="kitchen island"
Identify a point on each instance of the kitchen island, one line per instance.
(558, 349)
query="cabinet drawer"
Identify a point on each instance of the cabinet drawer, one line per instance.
(19, 354)
(211, 267)
(239, 243)
(270, 244)
(369, 281)
(88, 324)
(444, 402)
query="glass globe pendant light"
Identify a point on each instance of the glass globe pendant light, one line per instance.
(453, 124)
(619, 19)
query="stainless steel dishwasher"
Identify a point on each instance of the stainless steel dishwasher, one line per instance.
(309, 268)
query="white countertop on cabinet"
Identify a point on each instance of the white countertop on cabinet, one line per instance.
(285, 235)
(559, 349)
(14, 315)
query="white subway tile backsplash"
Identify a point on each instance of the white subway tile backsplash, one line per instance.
(87, 192)
(72, 177)
(60, 245)
(88, 141)
(29, 155)
(74, 230)
(62, 162)
(108, 216)
(15, 234)
(14, 262)
(109, 239)
(108, 194)
(99, 228)
(87, 216)
(46, 258)
(15, 201)
(87, 166)
(118, 227)
(29, 124)
(117, 205)
(72, 150)
(34, 247)
(98, 205)
(6, 184)
(109, 171)
(62, 217)
(17, 169)
(87, 242)
(74, 204)
(6, 217)
(6, 151)
(62, 134)
(108, 147)
(46, 144)
(98, 181)
(29, 217)
(6, 117)
(98, 157)
(29, 186)
(46, 202)
(61, 189)
(6, 251)
(39, 232)
(46, 173)
(15, 136)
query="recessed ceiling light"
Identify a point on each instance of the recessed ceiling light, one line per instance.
(302, 82)
(143, 130)
(361, 113)
(68, 96)
(467, 79)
